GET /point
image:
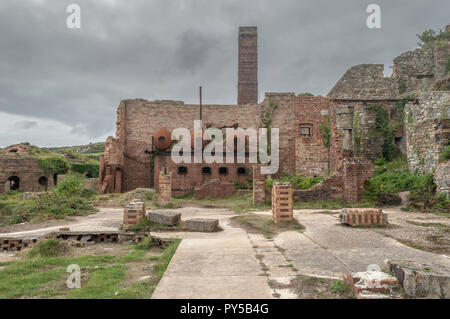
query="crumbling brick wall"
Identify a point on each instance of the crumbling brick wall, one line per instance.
(347, 184)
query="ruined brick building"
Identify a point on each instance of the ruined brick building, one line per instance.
(335, 136)
(20, 170)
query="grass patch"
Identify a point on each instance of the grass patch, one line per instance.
(339, 286)
(165, 259)
(265, 225)
(434, 225)
(103, 276)
(332, 204)
(51, 247)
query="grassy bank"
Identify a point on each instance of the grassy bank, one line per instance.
(102, 276)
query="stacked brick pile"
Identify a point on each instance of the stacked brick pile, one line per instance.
(165, 188)
(282, 204)
(134, 213)
(363, 216)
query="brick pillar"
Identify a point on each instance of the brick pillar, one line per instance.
(282, 204)
(134, 213)
(248, 66)
(356, 172)
(350, 182)
(259, 186)
(165, 187)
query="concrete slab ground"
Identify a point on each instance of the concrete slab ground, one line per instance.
(213, 266)
(236, 264)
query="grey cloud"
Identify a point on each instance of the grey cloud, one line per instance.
(25, 125)
(165, 49)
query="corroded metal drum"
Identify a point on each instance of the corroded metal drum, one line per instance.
(162, 139)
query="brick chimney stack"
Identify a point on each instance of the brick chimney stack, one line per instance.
(248, 66)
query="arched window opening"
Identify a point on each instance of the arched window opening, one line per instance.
(43, 181)
(14, 183)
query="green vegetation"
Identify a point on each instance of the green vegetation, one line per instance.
(91, 168)
(91, 148)
(339, 286)
(401, 86)
(445, 154)
(398, 164)
(165, 259)
(103, 276)
(51, 247)
(265, 225)
(146, 244)
(68, 198)
(389, 182)
(431, 38)
(332, 204)
(297, 181)
(53, 164)
(325, 131)
(266, 121)
(356, 134)
(386, 129)
(306, 94)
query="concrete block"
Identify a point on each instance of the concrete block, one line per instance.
(202, 224)
(165, 217)
(422, 280)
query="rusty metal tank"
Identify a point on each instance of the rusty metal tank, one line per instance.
(162, 139)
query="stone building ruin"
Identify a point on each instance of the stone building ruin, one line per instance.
(416, 96)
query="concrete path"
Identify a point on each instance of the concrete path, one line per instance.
(214, 266)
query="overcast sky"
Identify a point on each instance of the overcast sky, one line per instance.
(61, 86)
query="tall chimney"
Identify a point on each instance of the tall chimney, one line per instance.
(248, 66)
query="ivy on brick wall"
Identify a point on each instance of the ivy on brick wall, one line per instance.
(325, 130)
(356, 134)
(386, 129)
(54, 164)
(266, 122)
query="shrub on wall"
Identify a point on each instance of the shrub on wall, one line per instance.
(54, 164)
(297, 181)
(82, 168)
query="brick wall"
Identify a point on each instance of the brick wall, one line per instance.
(27, 170)
(311, 156)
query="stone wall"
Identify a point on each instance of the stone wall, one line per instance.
(442, 178)
(427, 128)
(365, 82)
